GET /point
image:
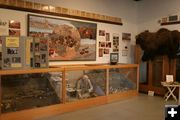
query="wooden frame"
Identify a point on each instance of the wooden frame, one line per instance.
(67, 107)
(28, 6)
(82, 46)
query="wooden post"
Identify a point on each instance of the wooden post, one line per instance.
(107, 81)
(138, 74)
(0, 96)
(64, 86)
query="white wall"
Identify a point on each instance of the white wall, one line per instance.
(150, 11)
(126, 9)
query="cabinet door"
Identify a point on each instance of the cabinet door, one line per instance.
(142, 65)
(157, 72)
(178, 69)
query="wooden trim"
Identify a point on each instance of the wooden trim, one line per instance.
(107, 82)
(40, 113)
(70, 68)
(64, 87)
(59, 11)
(0, 95)
(121, 95)
(170, 23)
(150, 73)
(165, 67)
(138, 52)
(172, 68)
(138, 77)
(29, 71)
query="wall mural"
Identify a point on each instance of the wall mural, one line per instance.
(69, 40)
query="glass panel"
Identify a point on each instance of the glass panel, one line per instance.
(85, 84)
(178, 69)
(122, 79)
(143, 73)
(27, 91)
(157, 71)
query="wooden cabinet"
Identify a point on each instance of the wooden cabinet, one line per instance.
(152, 73)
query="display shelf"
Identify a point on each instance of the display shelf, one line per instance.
(170, 23)
(75, 73)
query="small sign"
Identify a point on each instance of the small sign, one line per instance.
(150, 93)
(12, 42)
(169, 78)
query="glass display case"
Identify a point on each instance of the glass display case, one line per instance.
(40, 91)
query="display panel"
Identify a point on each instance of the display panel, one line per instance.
(69, 40)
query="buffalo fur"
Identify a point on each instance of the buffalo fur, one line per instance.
(162, 42)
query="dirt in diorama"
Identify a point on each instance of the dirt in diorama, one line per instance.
(21, 92)
(121, 80)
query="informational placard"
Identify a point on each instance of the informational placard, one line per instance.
(28, 51)
(12, 42)
(169, 78)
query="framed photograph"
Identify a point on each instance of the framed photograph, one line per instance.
(108, 44)
(69, 40)
(12, 51)
(16, 60)
(124, 52)
(114, 58)
(14, 24)
(101, 52)
(115, 42)
(102, 44)
(107, 36)
(126, 36)
(101, 32)
(7, 62)
(106, 51)
(14, 32)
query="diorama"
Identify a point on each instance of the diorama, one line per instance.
(85, 84)
(122, 80)
(27, 91)
(69, 40)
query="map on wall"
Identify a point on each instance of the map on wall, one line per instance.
(68, 39)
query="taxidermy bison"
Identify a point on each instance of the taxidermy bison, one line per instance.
(162, 42)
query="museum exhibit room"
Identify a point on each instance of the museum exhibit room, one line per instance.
(89, 60)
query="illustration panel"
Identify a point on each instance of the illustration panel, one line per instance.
(69, 40)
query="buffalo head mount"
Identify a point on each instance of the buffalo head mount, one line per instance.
(162, 42)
